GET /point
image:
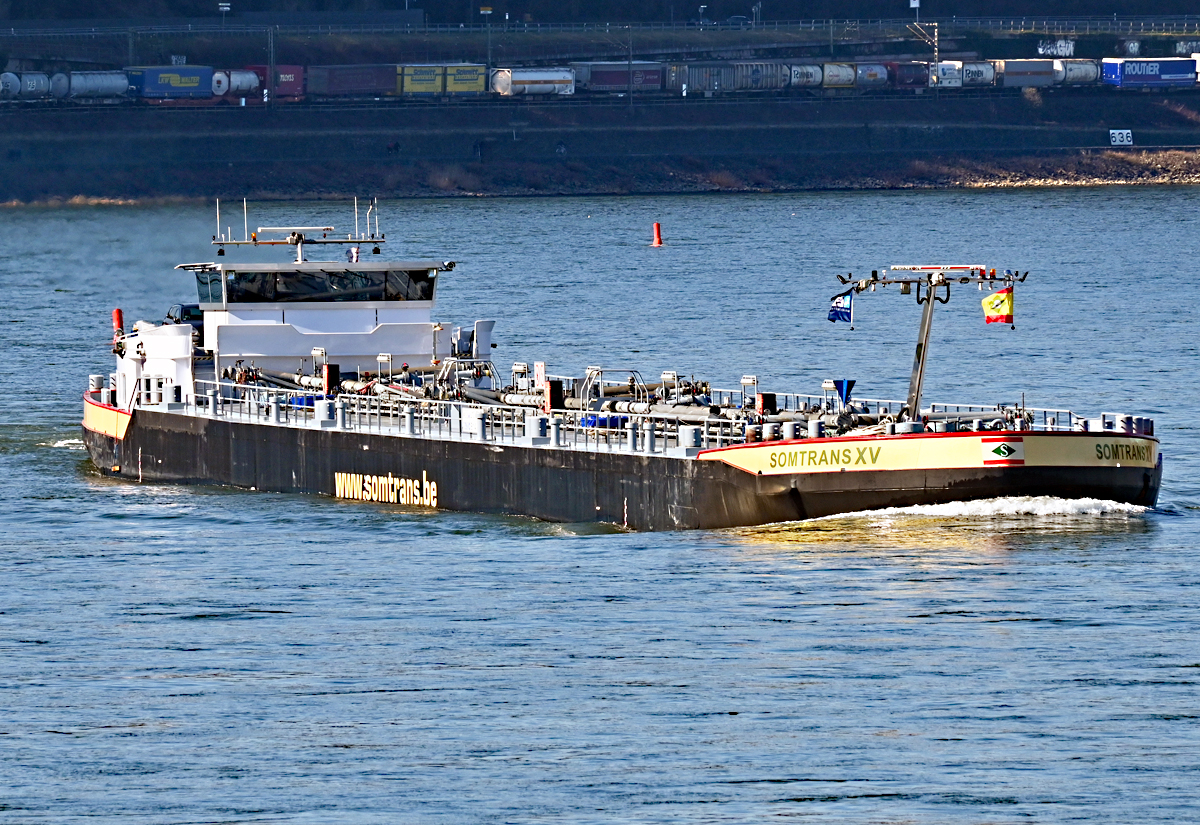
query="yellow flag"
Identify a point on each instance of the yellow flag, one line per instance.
(998, 307)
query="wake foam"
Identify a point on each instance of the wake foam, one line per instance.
(1004, 507)
(66, 444)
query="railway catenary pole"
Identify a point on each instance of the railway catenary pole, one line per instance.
(270, 78)
(630, 65)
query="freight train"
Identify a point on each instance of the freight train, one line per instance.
(204, 85)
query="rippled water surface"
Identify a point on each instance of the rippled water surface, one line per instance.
(185, 655)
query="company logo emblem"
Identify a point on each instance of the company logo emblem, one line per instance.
(1003, 450)
(176, 81)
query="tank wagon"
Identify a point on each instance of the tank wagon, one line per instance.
(396, 82)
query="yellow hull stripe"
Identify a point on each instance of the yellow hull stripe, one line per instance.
(939, 452)
(105, 420)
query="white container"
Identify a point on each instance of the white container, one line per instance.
(838, 75)
(870, 75)
(34, 85)
(220, 83)
(807, 74)
(10, 85)
(978, 74)
(99, 84)
(947, 74)
(60, 86)
(511, 82)
(1076, 72)
(242, 83)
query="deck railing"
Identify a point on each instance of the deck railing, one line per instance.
(591, 430)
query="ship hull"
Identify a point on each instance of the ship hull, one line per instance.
(636, 490)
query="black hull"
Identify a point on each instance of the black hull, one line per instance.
(638, 491)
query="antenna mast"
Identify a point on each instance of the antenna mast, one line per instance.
(932, 286)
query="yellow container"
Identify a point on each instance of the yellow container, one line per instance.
(466, 79)
(424, 80)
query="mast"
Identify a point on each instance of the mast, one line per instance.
(912, 407)
(932, 287)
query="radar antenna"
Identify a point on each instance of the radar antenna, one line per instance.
(298, 236)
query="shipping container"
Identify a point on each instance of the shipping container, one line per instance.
(509, 82)
(709, 78)
(60, 85)
(838, 75)
(614, 76)
(466, 79)
(805, 75)
(424, 79)
(908, 75)
(10, 85)
(170, 82)
(289, 80)
(378, 80)
(98, 84)
(1144, 72)
(34, 85)
(760, 76)
(1076, 72)
(1018, 73)
(946, 74)
(675, 77)
(235, 83)
(981, 73)
(870, 75)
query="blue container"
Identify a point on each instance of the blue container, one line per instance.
(1149, 72)
(309, 400)
(615, 422)
(171, 82)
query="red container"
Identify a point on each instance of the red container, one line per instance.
(289, 80)
(616, 79)
(343, 81)
(908, 75)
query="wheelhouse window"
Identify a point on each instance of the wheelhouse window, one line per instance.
(326, 286)
(208, 286)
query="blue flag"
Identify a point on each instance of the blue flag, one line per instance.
(841, 307)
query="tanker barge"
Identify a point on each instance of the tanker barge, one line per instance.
(333, 378)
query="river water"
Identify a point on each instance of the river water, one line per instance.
(185, 655)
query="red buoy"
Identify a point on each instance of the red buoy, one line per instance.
(657, 236)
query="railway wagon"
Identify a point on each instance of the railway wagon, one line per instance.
(513, 82)
(466, 79)
(1025, 73)
(1149, 73)
(170, 82)
(378, 80)
(618, 76)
